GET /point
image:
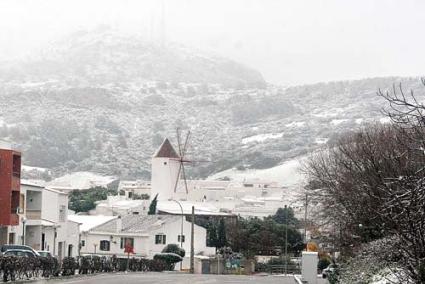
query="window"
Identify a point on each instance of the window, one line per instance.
(160, 239)
(180, 237)
(105, 245)
(126, 242)
(83, 243)
(62, 213)
(16, 165)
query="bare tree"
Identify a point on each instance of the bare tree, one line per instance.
(372, 182)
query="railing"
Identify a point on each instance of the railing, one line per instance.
(33, 214)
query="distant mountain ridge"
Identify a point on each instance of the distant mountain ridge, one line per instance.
(87, 105)
(108, 57)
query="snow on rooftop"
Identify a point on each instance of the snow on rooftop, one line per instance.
(201, 208)
(81, 180)
(89, 221)
(33, 182)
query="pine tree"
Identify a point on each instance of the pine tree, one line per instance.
(221, 234)
(152, 206)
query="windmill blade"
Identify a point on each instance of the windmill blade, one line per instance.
(179, 142)
(178, 177)
(186, 143)
(184, 178)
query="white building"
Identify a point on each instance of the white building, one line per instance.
(43, 220)
(120, 205)
(165, 171)
(148, 235)
(134, 187)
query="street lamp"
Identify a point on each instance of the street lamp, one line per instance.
(24, 220)
(55, 235)
(181, 229)
(286, 240)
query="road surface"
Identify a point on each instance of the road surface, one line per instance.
(174, 278)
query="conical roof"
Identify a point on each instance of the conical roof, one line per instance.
(166, 150)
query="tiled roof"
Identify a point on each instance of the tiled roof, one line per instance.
(166, 150)
(137, 223)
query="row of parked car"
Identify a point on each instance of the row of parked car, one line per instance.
(22, 251)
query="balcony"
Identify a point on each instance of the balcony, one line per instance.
(33, 214)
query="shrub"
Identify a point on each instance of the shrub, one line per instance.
(173, 248)
(169, 258)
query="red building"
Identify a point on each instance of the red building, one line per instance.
(10, 184)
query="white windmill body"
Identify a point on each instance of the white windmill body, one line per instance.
(165, 171)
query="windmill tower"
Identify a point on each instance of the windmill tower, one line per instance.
(165, 171)
(168, 168)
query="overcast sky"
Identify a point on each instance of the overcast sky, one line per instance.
(290, 42)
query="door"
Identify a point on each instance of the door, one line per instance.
(11, 238)
(205, 266)
(70, 250)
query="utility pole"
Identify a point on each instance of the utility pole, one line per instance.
(286, 240)
(192, 243)
(305, 220)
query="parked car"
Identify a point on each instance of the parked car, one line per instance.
(44, 253)
(5, 248)
(20, 253)
(329, 270)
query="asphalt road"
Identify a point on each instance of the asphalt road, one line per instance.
(175, 278)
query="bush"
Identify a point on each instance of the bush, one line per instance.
(173, 248)
(169, 258)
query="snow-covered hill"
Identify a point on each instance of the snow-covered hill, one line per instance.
(92, 103)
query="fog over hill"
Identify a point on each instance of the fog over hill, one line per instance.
(103, 102)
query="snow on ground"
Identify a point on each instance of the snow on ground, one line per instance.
(385, 120)
(321, 140)
(295, 124)
(89, 222)
(338, 121)
(261, 137)
(287, 174)
(359, 121)
(81, 180)
(38, 169)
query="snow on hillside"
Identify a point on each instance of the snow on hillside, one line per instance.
(38, 169)
(81, 180)
(261, 137)
(287, 174)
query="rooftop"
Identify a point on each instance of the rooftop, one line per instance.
(137, 223)
(166, 150)
(89, 222)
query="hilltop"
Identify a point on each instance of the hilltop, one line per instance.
(104, 102)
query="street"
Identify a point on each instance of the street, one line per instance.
(175, 278)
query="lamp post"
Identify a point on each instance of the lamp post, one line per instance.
(181, 228)
(286, 240)
(55, 235)
(24, 220)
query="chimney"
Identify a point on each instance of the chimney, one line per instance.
(119, 224)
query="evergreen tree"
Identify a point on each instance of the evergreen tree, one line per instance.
(152, 206)
(221, 234)
(212, 236)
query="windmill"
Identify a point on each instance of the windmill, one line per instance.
(183, 146)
